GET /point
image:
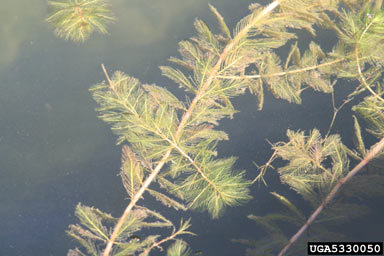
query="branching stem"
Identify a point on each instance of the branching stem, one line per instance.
(363, 80)
(212, 75)
(373, 152)
(300, 70)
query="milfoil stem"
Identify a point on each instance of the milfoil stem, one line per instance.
(243, 33)
(372, 153)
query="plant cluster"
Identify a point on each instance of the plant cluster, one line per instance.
(76, 20)
(173, 143)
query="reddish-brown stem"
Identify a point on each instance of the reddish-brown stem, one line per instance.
(372, 153)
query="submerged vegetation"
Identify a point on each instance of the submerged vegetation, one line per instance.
(315, 167)
(76, 20)
(173, 143)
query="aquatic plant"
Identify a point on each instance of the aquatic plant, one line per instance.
(173, 143)
(316, 168)
(76, 20)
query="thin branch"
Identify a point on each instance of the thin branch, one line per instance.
(336, 111)
(198, 169)
(184, 120)
(358, 65)
(171, 237)
(373, 152)
(263, 168)
(300, 70)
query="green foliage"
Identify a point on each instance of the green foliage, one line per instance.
(76, 20)
(147, 117)
(219, 188)
(372, 110)
(173, 143)
(363, 26)
(179, 248)
(314, 164)
(314, 167)
(95, 229)
(144, 120)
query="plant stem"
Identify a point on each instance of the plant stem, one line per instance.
(358, 64)
(284, 72)
(372, 153)
(213, 74)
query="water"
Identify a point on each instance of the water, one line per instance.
(54, 152)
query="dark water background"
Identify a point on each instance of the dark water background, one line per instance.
(54, 152)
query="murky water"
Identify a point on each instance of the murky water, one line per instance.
(54, 152)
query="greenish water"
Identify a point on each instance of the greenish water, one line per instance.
(54, 152)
